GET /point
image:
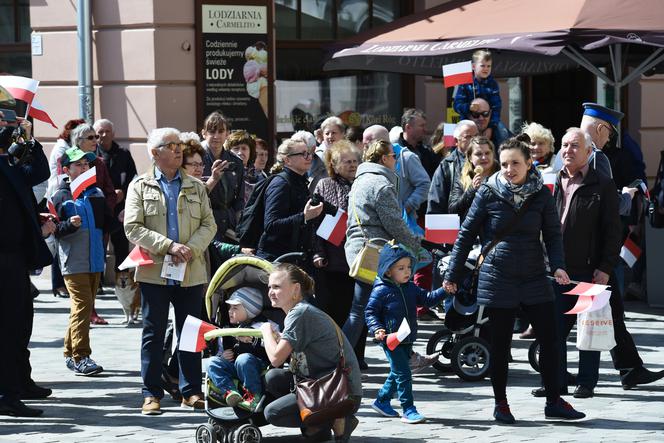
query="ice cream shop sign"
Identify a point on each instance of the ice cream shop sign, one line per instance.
(235, 64)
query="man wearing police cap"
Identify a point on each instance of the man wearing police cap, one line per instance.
(22, 249)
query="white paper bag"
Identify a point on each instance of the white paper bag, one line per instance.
(594, 330)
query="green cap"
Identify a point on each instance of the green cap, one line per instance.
(75, 154)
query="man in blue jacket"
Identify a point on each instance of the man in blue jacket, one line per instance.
(22, 249)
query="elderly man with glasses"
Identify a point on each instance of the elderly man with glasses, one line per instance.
(168, 214)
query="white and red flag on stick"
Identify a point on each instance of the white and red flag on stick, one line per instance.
(51, 209)
(441, 228)
(21, 88)
(395, 338)
(137, 257)
(448, 135)
(630, 252)
(549, 179)
(333, 229)
(37, 112)
(587, 289)
(81, 182)
(457, 74)
(192, 337)
(590, 304)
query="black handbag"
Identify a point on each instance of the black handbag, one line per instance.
(656, 201)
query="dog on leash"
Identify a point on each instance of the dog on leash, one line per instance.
(129, 295)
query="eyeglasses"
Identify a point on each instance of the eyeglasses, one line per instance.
(484, 114)
(172, 146)
(195, 164)
(92, 137)
(305, 154)
(608, 128)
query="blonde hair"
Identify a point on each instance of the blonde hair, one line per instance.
(333, 155)
(538, 132)
(468, 170)
(285, 148)
(376, 150)
(296, 275)
(482, 55)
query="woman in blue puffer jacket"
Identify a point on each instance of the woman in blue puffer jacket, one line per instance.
(514, 272)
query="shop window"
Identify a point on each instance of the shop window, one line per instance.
(15, 37)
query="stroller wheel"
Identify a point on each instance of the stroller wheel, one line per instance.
(442, 342)
(205, 434)
(471, 358)
(247, 434)
(534, 354)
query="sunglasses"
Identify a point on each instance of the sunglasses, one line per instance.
(484, 114)
(172, 146)
(92, 137)
(304, 154)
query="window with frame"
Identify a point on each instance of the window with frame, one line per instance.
(15, 57)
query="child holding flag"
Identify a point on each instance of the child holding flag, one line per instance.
(82, 210)
(391, 316)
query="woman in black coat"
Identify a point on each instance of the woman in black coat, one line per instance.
(514, 272)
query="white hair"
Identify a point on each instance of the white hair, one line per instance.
(460, 127)
(186, 137)
(76, 134)
(332, 121)
(104, 122)
(395, 133)
(305, 137)
(376, 132)
(588, 140)
(157, 136)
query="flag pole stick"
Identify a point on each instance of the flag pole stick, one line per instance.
(551, 277)
(27, 111)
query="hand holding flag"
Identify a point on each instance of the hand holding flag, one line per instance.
(395, 338)
(193, 332)
(333, 229)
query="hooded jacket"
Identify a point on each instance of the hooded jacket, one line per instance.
(374, 203)
(514, 271)
(390, 302)
(413, 179)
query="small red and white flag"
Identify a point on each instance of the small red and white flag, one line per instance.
(192, 337)
(590, 304)
(81, 182)
(549, 180)
(644, 189)
(333, 229)
(395, 338)
(137, 257)
(21, 88)
(441, 228)
(37, 112)
(448, 135)
(630, 252)
(457, 74)
(51, 209)
(584, 289)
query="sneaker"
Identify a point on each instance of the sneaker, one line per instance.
(418, 362)
(87, 366)
(34, 392)
(70, 363)
(384, 408)
(249, 401)
(502, 413)
(232, 398)
(151, 406)
(411, 416)
(193, 402)
(562, 409)
(97, 320)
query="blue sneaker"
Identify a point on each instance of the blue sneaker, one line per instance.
(69, 362)
(563, 410)
(502, 413)
(87, 366)
(410, 415)
(384, 408)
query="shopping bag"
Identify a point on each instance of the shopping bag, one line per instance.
(594, 330)
(365, 266)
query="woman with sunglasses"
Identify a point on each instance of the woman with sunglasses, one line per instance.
(85, 138)
(289, 212)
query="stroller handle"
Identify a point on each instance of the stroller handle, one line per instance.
(286, 258)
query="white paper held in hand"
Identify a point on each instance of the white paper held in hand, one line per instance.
(172, 270)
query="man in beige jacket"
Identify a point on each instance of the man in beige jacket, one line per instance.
(168, 214)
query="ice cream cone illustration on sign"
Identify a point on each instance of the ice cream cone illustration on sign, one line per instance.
(255, 73)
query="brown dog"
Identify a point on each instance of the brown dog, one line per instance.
(128, 293)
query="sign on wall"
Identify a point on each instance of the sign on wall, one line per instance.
(235, 56)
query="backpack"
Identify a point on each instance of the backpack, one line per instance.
(251, 225)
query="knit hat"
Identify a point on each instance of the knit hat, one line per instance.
(250, 298)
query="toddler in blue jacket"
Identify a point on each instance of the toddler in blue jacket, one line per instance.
(394, 298)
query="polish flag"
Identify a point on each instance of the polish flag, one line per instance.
(192, 337)
(630, 252)
(37, 112)
(137, 257)
(395, 338)
(457, 74)
(644, 189)
(441, 228)
(549, 180)
(587, 289)
(81, 182)
(333, 229)
(21, 88)
(590, 304)
(448, 135)
(51, 209)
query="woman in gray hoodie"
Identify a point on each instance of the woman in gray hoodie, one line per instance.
(373, 212)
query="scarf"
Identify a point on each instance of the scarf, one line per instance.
(520, 193)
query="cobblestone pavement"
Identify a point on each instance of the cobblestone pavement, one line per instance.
(107, 407)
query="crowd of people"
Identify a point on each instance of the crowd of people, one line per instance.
(189, 213)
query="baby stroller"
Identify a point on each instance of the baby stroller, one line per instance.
(461, 343)
(226, 424)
